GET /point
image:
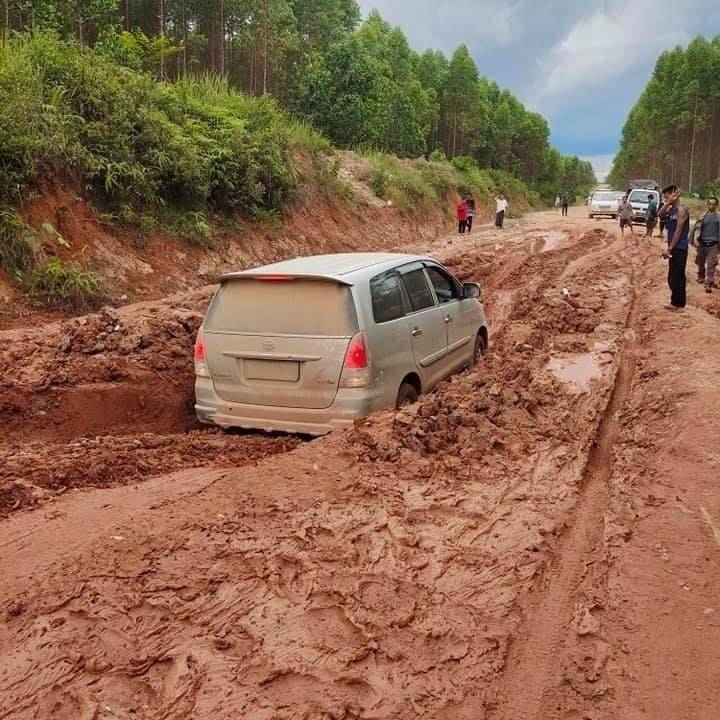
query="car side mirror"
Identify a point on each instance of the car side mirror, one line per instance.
(471, 290)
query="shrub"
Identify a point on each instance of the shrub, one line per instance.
(399, 183)
(63, 285)
(16, 250)
(135, 142)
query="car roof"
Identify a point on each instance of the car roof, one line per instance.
(344, 267)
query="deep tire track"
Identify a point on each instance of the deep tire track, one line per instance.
(535, 660)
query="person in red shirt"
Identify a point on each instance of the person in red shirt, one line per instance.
(462, 216)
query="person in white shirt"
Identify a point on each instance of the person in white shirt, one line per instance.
(500, 207)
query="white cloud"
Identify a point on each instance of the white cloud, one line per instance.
(604, 48)
(445, 25)
(601, 164)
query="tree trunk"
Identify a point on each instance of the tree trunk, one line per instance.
(221, 37)
(127, 15)
(692, 146)
(454, 133)
(6, 23)
(162, 36)
(184, 38)
(265, 50)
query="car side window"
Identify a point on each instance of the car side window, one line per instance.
(417, 289)
(387, 297)
(445, 288)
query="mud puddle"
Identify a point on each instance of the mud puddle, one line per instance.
(578, 372)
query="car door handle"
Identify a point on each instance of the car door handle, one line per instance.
(416, 332)
(448, 319)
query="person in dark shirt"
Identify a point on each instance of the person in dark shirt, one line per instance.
(470, 212)
(651, 216)
(677, 219)
(706, 238)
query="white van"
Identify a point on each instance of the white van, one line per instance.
(312, 344)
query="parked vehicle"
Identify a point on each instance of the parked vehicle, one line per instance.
(604, 203)
(642, 185)
(312, 344)
(639, 201)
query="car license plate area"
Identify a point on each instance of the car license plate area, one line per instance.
(278, 370)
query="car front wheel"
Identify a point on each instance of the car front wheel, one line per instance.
(480, 348)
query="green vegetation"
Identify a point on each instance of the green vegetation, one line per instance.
(361, 85)
(63, 285)
(16, 251)
(193, 144)
(671, 134)
(410, 185)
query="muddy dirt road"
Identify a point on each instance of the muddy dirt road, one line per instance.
(539, 538)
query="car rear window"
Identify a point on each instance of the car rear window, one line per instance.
(604, 196)
(417, 289)
(283, 307)
(387, 297)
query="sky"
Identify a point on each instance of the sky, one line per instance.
(581, 64)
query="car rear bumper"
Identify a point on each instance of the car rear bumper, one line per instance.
(349, 405)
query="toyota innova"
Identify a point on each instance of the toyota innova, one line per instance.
(312, 344)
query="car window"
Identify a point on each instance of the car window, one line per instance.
(387, 297)
(247, 305)
(418, 289)
(444, 287)
(641, 196)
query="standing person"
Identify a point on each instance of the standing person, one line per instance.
(706, 238)
(557, 202)
(651, 216)
(565, 202)
(470, 202)
(462, 216)
(500, 207)
(625, 213)
(677, 219)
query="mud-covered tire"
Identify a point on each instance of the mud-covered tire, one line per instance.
(407, 395)
(480, 348)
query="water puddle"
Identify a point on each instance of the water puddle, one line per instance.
(577, 372)
(546, 241)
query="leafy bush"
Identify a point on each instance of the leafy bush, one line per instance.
(400, 183)
(16, 251)
(63, 285)
(135, 142)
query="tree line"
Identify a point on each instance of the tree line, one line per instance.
(361, 84)
(672, 133)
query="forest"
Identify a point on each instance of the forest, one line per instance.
(359, 83)
(672, 133)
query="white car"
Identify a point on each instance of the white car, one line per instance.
(640, 199)
(604, 202)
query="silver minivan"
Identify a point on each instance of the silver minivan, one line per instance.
(312, 344)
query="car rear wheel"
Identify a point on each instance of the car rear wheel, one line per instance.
(407, 395)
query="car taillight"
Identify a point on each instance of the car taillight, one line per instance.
(201, 368)
(356, 371)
